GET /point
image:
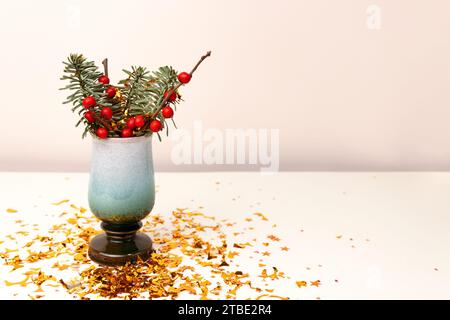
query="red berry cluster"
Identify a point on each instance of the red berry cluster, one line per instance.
(106, 113)
(131, 123)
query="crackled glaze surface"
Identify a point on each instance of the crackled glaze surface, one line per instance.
(121, 183)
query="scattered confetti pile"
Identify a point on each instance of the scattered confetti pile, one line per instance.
(193, 258)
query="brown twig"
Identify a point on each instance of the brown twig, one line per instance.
(100, 120)
(200, 61)
(163, 103)
(96, 118)
(105, 66)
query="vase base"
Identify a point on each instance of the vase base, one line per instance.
(112, 252)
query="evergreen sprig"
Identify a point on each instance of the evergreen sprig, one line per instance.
(159, 82)
(83, 81)
(134, 90)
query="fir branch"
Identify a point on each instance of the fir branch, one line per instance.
(160, 82)
(134, 89)
(83, 76)
(83, 80)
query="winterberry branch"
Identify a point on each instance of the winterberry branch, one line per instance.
(100, 120)
(199, 62)
(174, 89)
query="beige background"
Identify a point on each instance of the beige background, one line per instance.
(344, 97)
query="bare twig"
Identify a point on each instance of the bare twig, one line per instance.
(105, 66)
(200, 61)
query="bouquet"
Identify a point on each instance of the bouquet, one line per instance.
(139, 105)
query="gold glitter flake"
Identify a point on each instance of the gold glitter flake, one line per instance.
(273, 238)
(22, 283)
(60, 202)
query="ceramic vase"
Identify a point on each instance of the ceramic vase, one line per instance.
(121, 194)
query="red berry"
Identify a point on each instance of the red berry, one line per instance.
(131, 123)
(126, 133)
(89, 116)
(111, 92)
(184, 77)
(106, 113)
(171, 94)
(155, 125)
(89, 102)
(102, 133)
(139, 121)
(167, 112)
(103, 79)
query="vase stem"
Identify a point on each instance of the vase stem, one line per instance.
(120, 232)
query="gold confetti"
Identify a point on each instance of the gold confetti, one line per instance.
(22, 283)
(9, 210)
(242, 245)
(72, 220)
(273, 238)
(261, 216)
(315, 283)
(60, 202)
(271, 296)
(61, 266)
(79, 257)
(184, 237)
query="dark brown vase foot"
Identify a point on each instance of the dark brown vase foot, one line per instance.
(121, 243)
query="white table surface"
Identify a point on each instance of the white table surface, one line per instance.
(395, 227)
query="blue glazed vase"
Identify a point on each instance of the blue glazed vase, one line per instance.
(121, 184)
(121, 194)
